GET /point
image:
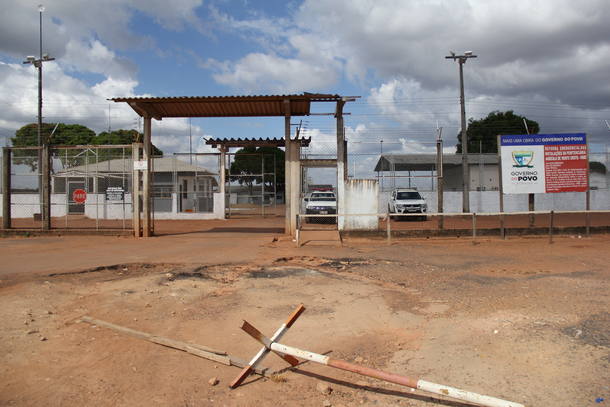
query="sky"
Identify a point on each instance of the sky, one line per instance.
(548, 60)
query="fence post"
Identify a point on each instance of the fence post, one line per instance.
(298, 231)
(388, 230)
(588, 214)
(474, 227)
(6, 188)
(551, 227)
(45, 187)
(135, 190)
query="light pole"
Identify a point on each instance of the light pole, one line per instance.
(465, 169)
(38, 64)
(43, 153)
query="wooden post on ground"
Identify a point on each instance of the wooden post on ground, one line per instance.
(6, 188)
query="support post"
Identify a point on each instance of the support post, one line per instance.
(146, 179)
(439, 182)
(388, 228)
(474, 228)
(295, 183)
(551, 226)
(587, 213)
(341, 169)
(223, 178)
(287, 172)
(6, 188)
(135, 193)
(464, 133)
(345, 163)
(45, 187)
(501, 191)
(530, 207)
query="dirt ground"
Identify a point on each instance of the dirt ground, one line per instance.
(519, 319)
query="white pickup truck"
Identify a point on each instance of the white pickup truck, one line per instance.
(407, 200)
(321, 203)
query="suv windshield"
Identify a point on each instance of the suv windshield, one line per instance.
(322, 197)
(408, 195)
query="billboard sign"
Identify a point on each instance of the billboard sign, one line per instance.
(544, 163)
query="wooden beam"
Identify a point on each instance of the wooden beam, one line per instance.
(190, 348)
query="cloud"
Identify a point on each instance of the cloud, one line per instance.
(259, 72)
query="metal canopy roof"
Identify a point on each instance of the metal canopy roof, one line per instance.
(247, 142)
(226, 106)
(427, 162)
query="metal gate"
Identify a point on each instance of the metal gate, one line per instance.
(251, 187)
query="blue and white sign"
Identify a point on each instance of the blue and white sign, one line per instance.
(542, 163)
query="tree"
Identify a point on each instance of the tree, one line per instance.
(482, 134)
(248, 164)
(123, 137)
(72, 135)
(64, 134)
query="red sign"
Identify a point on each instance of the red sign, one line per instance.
(566, 168)
(79, 196)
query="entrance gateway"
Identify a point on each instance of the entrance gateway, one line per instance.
(236, 106)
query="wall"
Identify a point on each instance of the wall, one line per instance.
(361, 197)
(97, 207)
(489, 201)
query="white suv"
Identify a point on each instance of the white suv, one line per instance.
(407, 200)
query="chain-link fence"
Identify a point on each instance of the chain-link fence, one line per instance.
(254, 184)
(91, 187)
(24, 188)
(185, 183)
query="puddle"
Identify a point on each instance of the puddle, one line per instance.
(594, 330)
(281, 272)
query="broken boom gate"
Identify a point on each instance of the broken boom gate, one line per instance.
(270, 344)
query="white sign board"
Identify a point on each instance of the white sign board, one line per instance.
(141, 165)
(544, 163)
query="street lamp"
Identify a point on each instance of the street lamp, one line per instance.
(38, 64)
(465, 169)
(43, 153)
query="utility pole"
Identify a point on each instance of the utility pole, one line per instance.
(461, 59)
(43, 153)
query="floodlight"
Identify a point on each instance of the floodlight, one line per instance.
(40, 8)
(468, 53)
(30, 58)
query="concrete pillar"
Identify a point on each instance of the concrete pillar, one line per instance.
(287, 172)
(341, 164)
(135, 191)
(223, 177)
(295, 184)
(6, 188)
(146, 179)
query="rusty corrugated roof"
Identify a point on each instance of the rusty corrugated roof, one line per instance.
(225, 106)
(246, 142)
